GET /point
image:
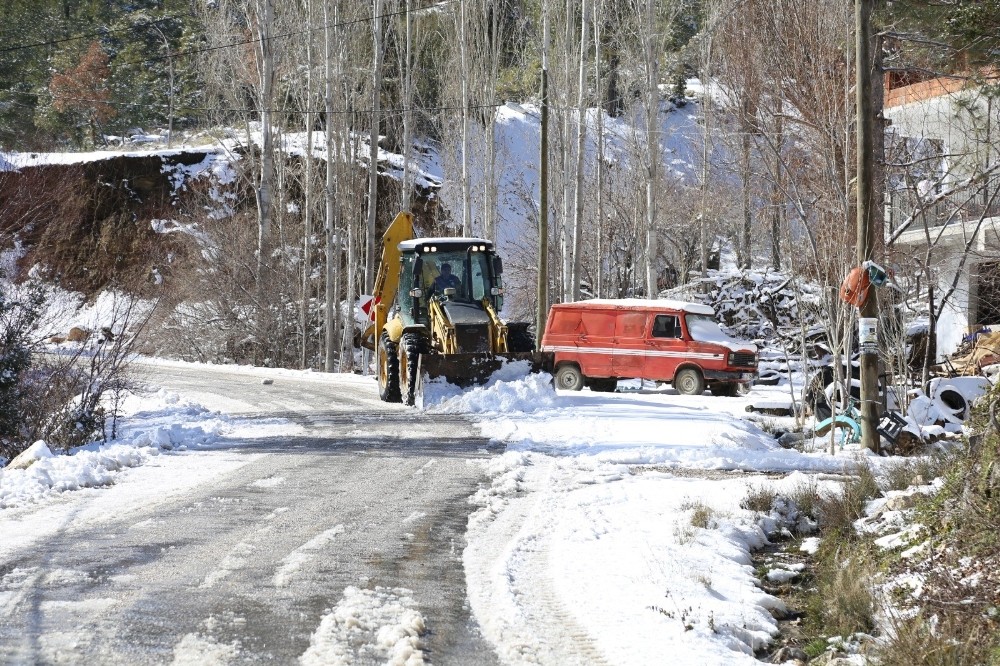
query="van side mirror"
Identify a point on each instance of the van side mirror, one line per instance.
(497, 265)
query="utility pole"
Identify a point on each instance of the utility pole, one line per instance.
(542, 295)
(868, 310)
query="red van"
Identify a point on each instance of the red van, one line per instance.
(595, 343)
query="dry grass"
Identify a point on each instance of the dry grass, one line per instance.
(759, 498)
(702, 515)
(844, 603)
(941, 641)
(837, 512)
(902, 474)
(806, 498)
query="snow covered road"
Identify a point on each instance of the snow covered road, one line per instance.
(249, 515)
(331, 534)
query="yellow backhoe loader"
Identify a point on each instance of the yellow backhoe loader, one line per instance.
(435, 314)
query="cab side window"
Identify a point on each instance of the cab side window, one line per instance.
(666, 326)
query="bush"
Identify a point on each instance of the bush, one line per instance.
(18, 318)
(940, 641)
(62, 398)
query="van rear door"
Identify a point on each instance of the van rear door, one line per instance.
(596, 341)
(581, 335)
(665, 347)
(628, 358)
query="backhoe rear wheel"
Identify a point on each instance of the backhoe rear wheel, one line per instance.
(411, 346)
(388, 370)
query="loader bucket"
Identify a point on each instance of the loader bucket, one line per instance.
(466, 370)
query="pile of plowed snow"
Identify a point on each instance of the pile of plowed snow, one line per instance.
(512, 388)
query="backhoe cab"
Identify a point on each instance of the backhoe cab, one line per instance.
(436, 314)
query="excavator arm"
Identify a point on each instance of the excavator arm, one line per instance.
(387, 278)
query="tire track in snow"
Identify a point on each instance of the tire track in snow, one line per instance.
(520, 609)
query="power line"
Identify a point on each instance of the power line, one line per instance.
(297, 112)
(89, 35)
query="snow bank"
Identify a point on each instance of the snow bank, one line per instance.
(152, 424)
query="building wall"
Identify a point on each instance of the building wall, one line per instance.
(967, 123)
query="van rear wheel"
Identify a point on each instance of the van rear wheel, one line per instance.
(569, 378)
(727, 390)
(689, 382)
(603, 385)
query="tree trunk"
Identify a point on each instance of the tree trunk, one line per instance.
(265, 15)
(581, 134)
(370, 239)
(777, 207)
(407, 111)
(747, 241)
(542, 286)
(653, 148)
(307, 221)
(599, 287)
(466, 186)
(332, 250)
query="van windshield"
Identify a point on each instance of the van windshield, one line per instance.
(704, 328)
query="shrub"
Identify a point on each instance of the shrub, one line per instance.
(63, 398)
(18, 317)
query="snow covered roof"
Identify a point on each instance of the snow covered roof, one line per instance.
(414, 243)
(656, 304)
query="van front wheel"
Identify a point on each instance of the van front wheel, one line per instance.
(569, 378)
(689, 382)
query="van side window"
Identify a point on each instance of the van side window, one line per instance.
(598, 323)
(666, 326)
(565, 321)
(631, 325)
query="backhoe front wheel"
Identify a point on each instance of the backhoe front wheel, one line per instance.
(569, 378)
(388, 370)
(411, 346)
(689, 382)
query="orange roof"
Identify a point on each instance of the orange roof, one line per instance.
(937, 87)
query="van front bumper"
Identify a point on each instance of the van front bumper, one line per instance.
(730, 375)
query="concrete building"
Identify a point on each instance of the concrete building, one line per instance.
(943, 194)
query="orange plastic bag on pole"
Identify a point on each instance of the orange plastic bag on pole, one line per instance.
(854, 288)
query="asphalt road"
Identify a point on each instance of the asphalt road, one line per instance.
(243, 566)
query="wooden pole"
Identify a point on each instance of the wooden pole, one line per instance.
(543, 197)
(866, 207)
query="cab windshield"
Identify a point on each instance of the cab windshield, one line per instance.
(465, 272)
(468, 273)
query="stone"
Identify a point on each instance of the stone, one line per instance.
(900, 502)
(787, 654)
(78, 334)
